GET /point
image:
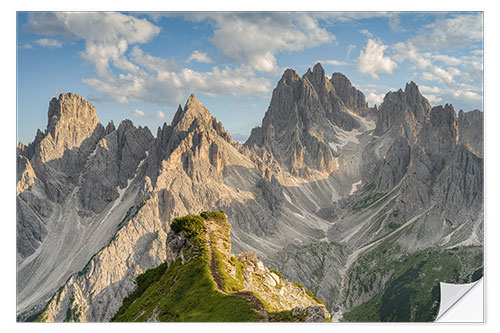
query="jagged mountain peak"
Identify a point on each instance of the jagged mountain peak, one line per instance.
(353, 98)
(193, 110)
(411, 86)
(70, 107)
(445, 117)
(289, 75)
(317, 75)
(406, 110)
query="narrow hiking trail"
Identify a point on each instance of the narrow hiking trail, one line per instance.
(255, 302)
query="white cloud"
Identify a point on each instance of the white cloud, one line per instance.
(366, 33)
(372, 60)
(48, 42)
(254, 39)
(467, 96)
(423, 61)
(352, 16)
(26, 46)
(447, 60)
(373, 98)
(449, 79)
(457, 31)
(160, 115)
(138, 113)
(332, 62)
(107, 35)
(143, 77)
(433, 99)
(159, 81)
(426, 89)
(199, 57)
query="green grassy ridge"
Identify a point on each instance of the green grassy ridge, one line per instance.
(229, 284)
(412, 293)
(186, 292)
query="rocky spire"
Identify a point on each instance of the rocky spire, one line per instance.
(403, 110)
(71, 119)
(193, 111)
(352, 97)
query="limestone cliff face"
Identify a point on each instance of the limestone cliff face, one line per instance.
(403, 111)
(302, 118)
(71, 120)
(350, 96)
(471, 130)
(75, 177)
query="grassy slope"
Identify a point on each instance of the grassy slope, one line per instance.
(412, 292)
(185, 292)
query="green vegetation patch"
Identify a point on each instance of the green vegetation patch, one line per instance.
(412, 293)
(229, 284)
(369, 200)
(239, 268)
(192, 225)
(298, 284)
(277, 273)
(287, 316)
(215, 216)
(185, 292)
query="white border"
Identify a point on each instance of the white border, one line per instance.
(8, 142)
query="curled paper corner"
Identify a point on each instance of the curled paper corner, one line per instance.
(461, 303)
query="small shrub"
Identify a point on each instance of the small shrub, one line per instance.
(192, 225)
(216, 216)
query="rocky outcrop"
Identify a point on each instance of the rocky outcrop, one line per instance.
(403, 111)
(350, 96)
(299, 123)
(471, 130)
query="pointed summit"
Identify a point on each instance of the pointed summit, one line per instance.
(407, 108)
(193, 111)
(352, 97)
(71, 113)
(317, 76)
(71, 120)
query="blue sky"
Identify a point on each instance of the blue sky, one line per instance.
(141, 66)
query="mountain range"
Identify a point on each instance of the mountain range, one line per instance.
(368, 207)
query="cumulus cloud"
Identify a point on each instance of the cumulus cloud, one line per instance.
(199, 57)
(254, 39)
(447, 60)
(160, 81)
(427, 89)
(107, 35)
(423, 61)
(373, 98)
(372, 60)
(457, 31)
(450, 79)
(143, 77)
(433, 99)
(48, 42)
(138, 113)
